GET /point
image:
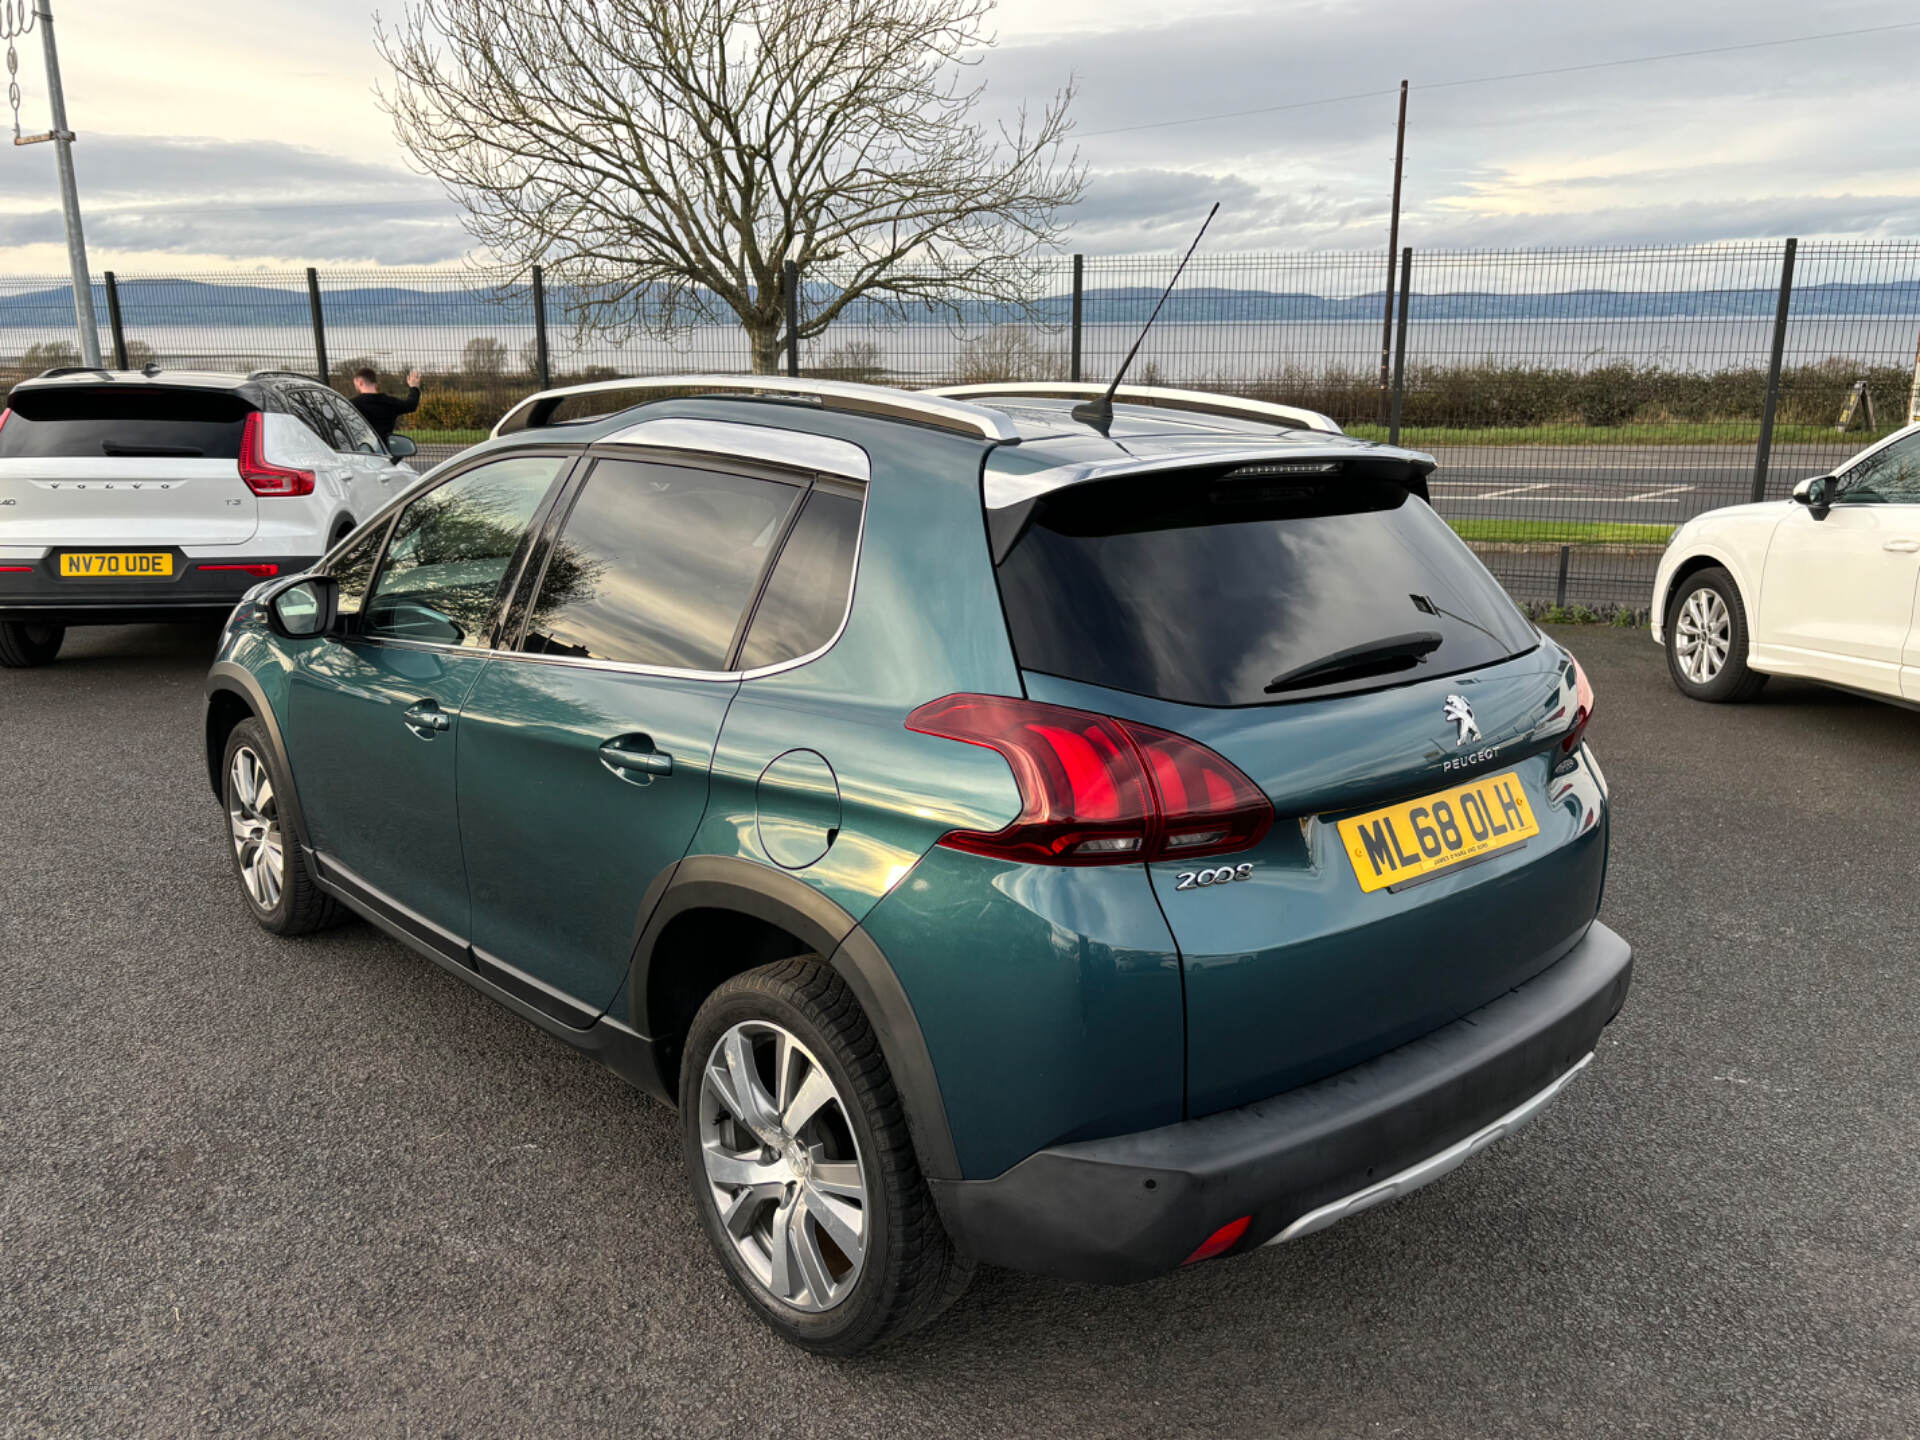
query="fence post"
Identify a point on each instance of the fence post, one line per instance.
(319, 324)
(1560, 585)
(790, 282)
(1079, 270)
(1400, 348)
(541, 372)
(113, 321)
(1764, 451)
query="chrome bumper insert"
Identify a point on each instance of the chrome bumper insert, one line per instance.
(1432, 1168)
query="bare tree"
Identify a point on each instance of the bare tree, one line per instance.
(664, 158)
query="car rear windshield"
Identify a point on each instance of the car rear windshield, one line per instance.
(97, 420)
(1245, 591)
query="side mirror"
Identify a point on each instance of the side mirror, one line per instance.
(400, 447)
(303, 609)
(1816, 494)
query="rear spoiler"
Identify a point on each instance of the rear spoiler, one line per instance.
(1012, 499)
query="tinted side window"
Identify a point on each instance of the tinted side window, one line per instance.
(351, 424)
(452, 549)
(1891, 475)
(354, 570)
(309, 403)
(656, 565)
(806, 597)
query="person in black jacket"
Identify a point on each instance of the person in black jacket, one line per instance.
(382, 411)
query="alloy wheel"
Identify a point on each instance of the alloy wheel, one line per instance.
(1703, 635)
(254, 812)
(783, 1166)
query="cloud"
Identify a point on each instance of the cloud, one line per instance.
(256, 199)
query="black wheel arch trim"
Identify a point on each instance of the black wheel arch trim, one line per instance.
(725, 882)
(228, 678)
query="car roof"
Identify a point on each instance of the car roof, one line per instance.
(1042, 446)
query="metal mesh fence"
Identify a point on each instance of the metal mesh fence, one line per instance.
(1581, 402)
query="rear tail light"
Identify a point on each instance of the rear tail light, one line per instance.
(263, 477)
(1095, 790)
(260, 570)
(1582, 709)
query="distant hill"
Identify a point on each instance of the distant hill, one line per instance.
(146, 303)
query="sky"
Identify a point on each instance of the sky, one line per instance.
(241, 136)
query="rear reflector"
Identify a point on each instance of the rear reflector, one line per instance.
(16, 569)
(1096, 790)
(263, 477)
(1223, 1239)
(262, 571)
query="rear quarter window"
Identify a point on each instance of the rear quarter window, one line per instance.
(1205, 590)
(97, 420)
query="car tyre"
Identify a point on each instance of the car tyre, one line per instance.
(24, 644)
(1706, 632)
(811, 1149)
(264, 845)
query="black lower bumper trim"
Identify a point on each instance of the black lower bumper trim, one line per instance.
(1135, 1206)
(194, 590)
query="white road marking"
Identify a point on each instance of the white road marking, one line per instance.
(1651, 495)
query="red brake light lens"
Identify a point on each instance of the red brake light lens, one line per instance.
(1582, 709)
(260, 570)
(1096, 790)
(263, 477)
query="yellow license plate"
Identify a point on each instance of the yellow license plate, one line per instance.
(1431, 834)
(116, 565)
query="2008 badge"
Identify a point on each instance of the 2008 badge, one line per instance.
(1194, 879)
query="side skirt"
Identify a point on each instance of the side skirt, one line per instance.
(618, 1046)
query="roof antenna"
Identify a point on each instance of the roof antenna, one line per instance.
(1099, 413)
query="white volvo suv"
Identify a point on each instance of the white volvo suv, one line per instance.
(1822, 586)
(154, 495)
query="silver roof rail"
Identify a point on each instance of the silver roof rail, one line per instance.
(927, 409)
(1199, 402)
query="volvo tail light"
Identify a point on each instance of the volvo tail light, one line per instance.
(1582, 709)
(262, 475)
(1096, 790)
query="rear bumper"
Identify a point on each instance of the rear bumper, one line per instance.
(194, 589)
(1135, 1206)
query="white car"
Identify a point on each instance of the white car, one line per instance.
(154, 495)
(1821, 586)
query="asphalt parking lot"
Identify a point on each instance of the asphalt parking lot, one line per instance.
(264, 1187)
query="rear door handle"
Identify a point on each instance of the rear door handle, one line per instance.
(426, 719)
(633, 758)
(1903, 547)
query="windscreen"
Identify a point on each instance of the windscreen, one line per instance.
(96, 420)
(1248, 591)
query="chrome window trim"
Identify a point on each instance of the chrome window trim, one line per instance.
(879, 400)
(1001, 490)
(664, 672)
(792, 449)
(1198, 402)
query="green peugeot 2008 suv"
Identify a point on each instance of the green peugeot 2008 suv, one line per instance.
(1012, 832)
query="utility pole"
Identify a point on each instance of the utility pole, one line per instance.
(1393, 252)
(62, 139)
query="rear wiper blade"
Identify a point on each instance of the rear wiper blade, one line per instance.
(1394, 653)
(121, 447)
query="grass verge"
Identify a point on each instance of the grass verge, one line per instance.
(1560, 532)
